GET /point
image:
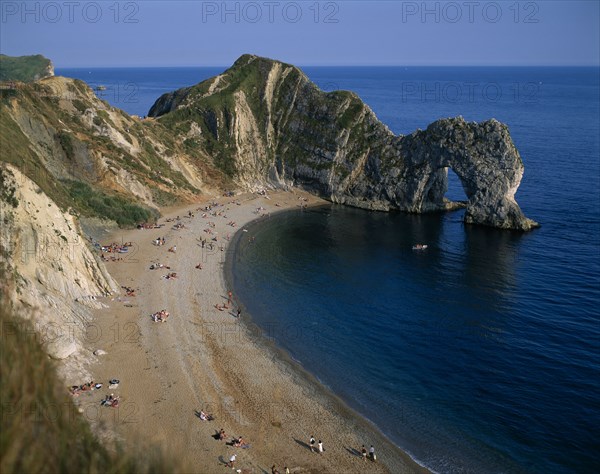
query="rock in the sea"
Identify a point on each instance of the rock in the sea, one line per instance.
(266, 124)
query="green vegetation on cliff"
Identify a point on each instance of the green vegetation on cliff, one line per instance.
(42, 429)
(24, 68)
(93, 203)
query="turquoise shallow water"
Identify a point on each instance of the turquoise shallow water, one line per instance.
(482, 353)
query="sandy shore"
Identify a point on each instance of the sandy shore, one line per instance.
(203, 358)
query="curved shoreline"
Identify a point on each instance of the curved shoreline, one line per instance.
(271, 345)
(207, 359)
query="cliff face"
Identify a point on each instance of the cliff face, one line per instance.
(62, 136)
(265, 124)
(57, 277)
(66, 154)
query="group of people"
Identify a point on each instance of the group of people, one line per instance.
(146, 225)
(160, 316)
(117, 248)
(76, 390)
(156, 266)
(239, 442)
(110, 401)
(274, 470)
(228, 304)
(159, 241)
(372, 456)
(319, 446)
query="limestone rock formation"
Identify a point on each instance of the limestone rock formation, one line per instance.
(58, 278)
(265, 123)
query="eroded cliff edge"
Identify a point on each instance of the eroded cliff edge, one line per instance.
(56, 278)
(264, 123)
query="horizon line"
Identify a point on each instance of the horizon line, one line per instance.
(325, 65)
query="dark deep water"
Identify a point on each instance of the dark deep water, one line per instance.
(480, 354)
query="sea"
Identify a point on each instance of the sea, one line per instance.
(482, 352)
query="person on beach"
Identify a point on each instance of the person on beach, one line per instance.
(238, 442)
(286, 470)
(363, 451)
(312, 443)
(239, 313)
(229, 298)
(231, 461)
(274, 470)
(222, 434)
(320, 447)
(372, 453)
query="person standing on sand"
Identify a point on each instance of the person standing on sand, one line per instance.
(312, 443)
(320, 445)
(286, 470)
(363, 451)
(239, 313)
(274, 470)
(372, 454)
(231, 461)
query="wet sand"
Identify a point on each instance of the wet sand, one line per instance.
(203, 358)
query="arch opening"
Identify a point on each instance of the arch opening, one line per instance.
(455, 191)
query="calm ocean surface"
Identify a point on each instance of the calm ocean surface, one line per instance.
(481, 354)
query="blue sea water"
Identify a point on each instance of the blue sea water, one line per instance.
(481, 354)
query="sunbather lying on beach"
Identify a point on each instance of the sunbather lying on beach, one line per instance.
(205, 416)
(199, 266)
(86, 387)
(170, 276)
(129, 291)
(160, 317)
(156, 266)
(239, 443)
(221, 307)
(145, 225)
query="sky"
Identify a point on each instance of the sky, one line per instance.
(306, 33)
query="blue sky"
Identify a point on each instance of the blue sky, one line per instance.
(215, 33)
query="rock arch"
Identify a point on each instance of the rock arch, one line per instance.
(484, 158)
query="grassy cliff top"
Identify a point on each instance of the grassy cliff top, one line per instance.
(25, 68)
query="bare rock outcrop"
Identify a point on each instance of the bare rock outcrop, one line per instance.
(58, 278)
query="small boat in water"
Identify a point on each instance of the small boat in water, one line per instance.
(419, 247)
